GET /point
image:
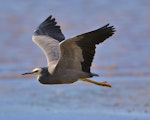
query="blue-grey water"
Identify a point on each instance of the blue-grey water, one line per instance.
(123, 60)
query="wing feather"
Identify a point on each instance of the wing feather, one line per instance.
(47, 36)
(78, 52)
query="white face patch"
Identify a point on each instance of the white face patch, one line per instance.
(37, 71)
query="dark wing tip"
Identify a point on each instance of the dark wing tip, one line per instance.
(107, 28)
(112, 28)
(88, 41)
(50, 28)
(103, 33)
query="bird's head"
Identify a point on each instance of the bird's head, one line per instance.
(36, 71)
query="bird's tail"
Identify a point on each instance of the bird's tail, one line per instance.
(93, 74)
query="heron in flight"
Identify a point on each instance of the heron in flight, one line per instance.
(68, 60)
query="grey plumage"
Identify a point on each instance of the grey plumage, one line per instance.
(71, 59)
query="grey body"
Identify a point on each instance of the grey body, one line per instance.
(68, 60)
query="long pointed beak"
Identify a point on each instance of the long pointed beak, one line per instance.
(28, 73)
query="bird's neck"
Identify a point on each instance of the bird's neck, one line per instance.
(47, 78)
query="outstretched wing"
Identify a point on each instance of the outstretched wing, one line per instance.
(78, 52)
(47, 36)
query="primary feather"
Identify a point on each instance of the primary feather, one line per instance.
(75, 53)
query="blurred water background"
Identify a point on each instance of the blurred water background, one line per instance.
(123, 60)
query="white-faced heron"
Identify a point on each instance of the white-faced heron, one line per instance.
(68, 60)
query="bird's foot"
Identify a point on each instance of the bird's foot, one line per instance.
(104, 83)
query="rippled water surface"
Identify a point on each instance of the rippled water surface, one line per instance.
(122, 60)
